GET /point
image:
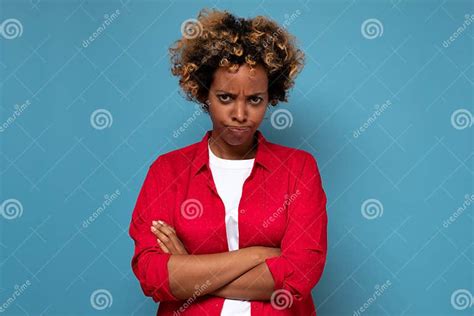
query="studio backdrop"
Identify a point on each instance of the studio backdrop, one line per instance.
(384, 103)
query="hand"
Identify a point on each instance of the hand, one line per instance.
(167, 238)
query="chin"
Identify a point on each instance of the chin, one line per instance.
(232, 140)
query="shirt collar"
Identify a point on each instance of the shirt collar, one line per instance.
(263, 157)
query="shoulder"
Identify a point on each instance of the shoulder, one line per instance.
(177, 158)
(299, 165)
(291, 157)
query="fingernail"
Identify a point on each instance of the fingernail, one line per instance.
(154, 222)
(160, 221)
(153, 228)
(158, 240)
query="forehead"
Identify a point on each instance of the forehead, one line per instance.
(249, 80)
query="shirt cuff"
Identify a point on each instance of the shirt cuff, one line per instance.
(278, 270)
(158, 278)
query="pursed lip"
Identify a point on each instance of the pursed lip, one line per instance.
(239, 128)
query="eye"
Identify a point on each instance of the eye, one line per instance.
(255, 100)
(224, 98)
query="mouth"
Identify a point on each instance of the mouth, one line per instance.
(238, 129)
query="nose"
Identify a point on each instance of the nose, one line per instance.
(239, 112)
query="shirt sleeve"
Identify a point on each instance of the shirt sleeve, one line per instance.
(304, 244)
(149, 262)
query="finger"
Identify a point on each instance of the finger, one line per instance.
(167, 231)
(167, 241)
(169, 227)
(163, 237)
(162, 246)
(177, 245)
(155, 230)
(160, 223)
(171, 233)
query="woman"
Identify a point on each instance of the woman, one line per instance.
(232, 224)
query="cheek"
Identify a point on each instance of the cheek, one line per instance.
(217, 113)
(259, 113)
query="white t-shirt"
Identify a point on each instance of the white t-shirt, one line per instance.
(229, 176)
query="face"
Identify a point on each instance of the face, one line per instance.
(240, 100)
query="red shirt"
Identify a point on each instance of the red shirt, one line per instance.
(283, 205)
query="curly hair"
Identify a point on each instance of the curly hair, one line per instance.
(220, 39)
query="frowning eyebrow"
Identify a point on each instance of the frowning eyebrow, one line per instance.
(232, 94)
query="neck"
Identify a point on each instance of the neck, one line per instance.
(225, 151)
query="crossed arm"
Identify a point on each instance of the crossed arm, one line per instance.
(250, 273)
(240, 274)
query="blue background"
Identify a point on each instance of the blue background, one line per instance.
(412, 159)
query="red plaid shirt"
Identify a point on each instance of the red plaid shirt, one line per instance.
(283, 205)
